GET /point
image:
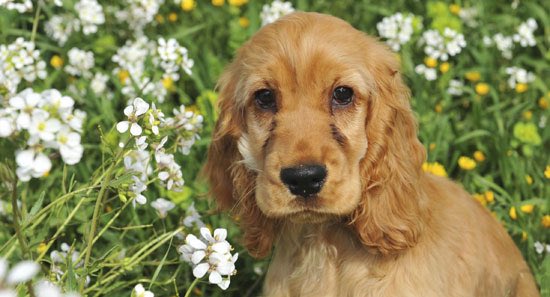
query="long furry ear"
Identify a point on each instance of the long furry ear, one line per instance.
(231, 183)
(388, 218)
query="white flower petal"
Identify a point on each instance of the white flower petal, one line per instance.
(122, 126)
(205, 233)
(194, 242)
(135, 129)
(200, 270)
(214, 277)
(22, 272)
(220, 234)
(197, 256)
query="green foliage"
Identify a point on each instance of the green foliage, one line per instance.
(134, 245)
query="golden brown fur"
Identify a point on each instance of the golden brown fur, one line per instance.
(379, 226)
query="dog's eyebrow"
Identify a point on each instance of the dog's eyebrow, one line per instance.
(337, 135)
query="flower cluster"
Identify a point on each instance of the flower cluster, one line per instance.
(524, 35)
(210, 254)
(60, 27)
(47, 121)
(504, 44)
(397, 29)
(428, 72)
(456, 87)
(131, 58)
(138, 13)
(277, 9)
(441, 46)
(173, 57)
(163, 206)
(519, 76)
(90, 13)
(80, 62)
(142, 116)
(63, 258)
(21, 7)
(19, 60)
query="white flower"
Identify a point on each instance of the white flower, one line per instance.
(440, 47)
(192, 217)
(80, 62)
(19, 60)
(69, 145)
(7, 122)
(91, 14)
(468, 16)
(169, 171)
(397, 29)
(173, 57)
(31, 163)
(277, 9)
(99, 83)
(210, 254)
(188, 125)
(162, 206)
(137, 188)
(428, 73)
(133, 111)
(504, 44)
(60, 27)
(138, 162)
(541, 247)
(20, 273)
(26, 102)
(55, 99)
(24, 6)
(456, 87)
(524, 35)
(45, 288)
(43, 126)
(519, 75)
(138, 13)
(139, 291)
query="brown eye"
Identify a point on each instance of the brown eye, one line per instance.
(342, 96)
(265, 99)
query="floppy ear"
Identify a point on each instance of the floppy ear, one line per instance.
(388, 217)
(231, 183)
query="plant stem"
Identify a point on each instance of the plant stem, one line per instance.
(35, 21)
(16, 217)
(95, 218)
(193, 284)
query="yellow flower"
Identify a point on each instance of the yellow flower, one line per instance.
(481, 199)
(489, 196)
(42, 247)
(529, 179)
(523, 236)
(430, 62)
(237, 2)
(482, 89)
(168, 83)
(466, 163)
(521, 87)
(527, 115)
(527, 208)
(545, 221)
(444, 67)
(159, 18)
(473, 76)
(432, 146)
(244, 22)
(547, 172)
(218, 2)
(513, 214)
(543, 103)
(434, 168)
(56, 62)
(454, 9)
(188, 5)
(123, 75)
(172, 17)
(438, 108)
(479, 156)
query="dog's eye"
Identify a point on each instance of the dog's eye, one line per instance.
(342, 96)
(265, 99)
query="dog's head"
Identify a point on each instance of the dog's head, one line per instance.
(315, 125)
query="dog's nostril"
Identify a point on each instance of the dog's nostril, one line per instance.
(304, 180)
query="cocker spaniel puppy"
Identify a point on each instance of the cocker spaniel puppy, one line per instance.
(316, 152)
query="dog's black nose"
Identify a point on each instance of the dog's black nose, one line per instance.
(304, 180)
